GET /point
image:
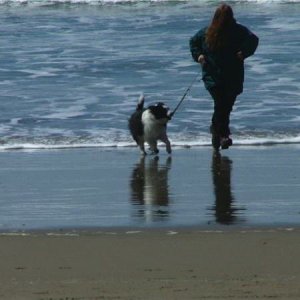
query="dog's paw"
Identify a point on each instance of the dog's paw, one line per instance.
(143, 153)
(154, 152)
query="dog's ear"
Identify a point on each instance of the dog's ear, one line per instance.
(170, 114)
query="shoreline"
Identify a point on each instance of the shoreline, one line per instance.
(255, 145)
(98, 231)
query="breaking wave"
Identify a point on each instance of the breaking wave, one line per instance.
(121, 142)
(103, 2)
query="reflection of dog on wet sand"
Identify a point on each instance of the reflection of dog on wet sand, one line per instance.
(150, 125)
(149, 184)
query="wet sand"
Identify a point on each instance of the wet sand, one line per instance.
(156, 264)
(94, 224)
(91, 188)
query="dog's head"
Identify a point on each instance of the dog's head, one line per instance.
(161, 112)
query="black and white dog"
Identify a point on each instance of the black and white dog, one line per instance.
(150, 125)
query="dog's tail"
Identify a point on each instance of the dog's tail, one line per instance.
(140, 105)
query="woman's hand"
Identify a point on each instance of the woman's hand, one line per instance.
(201, 59)
(240, 55)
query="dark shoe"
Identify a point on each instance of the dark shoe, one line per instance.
(225, 142)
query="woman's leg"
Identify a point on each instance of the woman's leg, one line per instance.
(223, 104)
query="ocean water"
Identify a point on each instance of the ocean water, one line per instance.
(71, 71)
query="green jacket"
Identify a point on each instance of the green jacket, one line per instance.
(223, 68)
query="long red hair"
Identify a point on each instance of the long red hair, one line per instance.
(217, 33)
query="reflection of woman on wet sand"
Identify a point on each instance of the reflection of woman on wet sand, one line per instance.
(225, 213)
(149, 186)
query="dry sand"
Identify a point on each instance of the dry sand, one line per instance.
(157, 264)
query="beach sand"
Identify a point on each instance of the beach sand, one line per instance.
(191, 264)
(98, 224)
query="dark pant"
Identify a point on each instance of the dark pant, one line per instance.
(223, 103)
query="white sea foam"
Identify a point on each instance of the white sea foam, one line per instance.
(40, 73)
(98, 2)
(283, 25)
(75, 111)
(125, 141)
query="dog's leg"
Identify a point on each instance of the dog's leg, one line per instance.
(165, 140)
(140, 141)
(153, 147)
(142, 148)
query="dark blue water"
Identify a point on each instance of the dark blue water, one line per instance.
(72, 71)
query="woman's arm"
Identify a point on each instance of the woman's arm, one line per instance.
(249, 42)
(196, 45)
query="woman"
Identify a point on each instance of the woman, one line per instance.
(221, 49)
